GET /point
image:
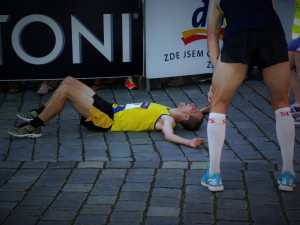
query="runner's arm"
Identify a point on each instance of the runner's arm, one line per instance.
(168, 132)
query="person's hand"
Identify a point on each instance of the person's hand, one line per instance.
(294, 44)
(196, 142)
(210, 94)
(205, 109)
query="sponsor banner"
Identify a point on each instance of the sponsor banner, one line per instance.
(176, 38)
(51, 39)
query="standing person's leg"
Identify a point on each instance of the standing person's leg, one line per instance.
(295, 79)
(277, 80)
(227, 78)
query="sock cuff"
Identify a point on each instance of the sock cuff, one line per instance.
(286, 111)
(217, 118)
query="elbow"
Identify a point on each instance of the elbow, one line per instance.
(167, 137)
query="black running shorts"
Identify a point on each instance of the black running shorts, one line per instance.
(255, 48)
(102, 108)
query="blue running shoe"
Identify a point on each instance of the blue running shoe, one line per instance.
(213, 183)
(286, 182)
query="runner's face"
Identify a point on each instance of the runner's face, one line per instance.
(190, 109)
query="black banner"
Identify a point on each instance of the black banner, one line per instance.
(52, 39)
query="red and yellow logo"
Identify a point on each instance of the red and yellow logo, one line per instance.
(192, 35)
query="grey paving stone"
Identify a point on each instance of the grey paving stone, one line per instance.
(21, 220)
(58, 215)
(7, 206)
(153, 220)
(11, 195)
(163, 183)
(37, 200)
(127, 216)
(139, 178)
(263, 199)
(56, 173)
(72, 196)
(198, 218)
(91, 219)
(198, 208)
(167, 192)
(9, 165)
(232, 194)
(163, 211)
(113, 173)
(232, 214)
(146, 164)
(77, 187)
(50, 182)
(44, 191)
(33, 210)
(73, 179)
(26, 175)
(124, 223)
(96, 209)
(144, 187)
(116, 164)
(105, 190)
(99, 200)
(164, 202)
(232, 204)
(134, 196)
(61, 165)
(15, 186)
(66, 205)
(91, 164)
(55, 223)
(130, 206)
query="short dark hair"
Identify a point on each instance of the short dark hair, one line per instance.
(192, 123)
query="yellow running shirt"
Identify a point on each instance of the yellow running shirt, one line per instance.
(138, 116)
(296, 25)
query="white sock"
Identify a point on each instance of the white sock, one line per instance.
(216, 135)
(286, 137)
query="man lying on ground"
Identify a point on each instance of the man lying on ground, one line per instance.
(100, 115)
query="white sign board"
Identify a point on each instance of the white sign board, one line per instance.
(176, 38)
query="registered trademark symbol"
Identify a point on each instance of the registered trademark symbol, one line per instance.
(135, 16)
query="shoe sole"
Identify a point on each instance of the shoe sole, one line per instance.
(25, 135)
(23, 118)
(211, 188)
(286, 188)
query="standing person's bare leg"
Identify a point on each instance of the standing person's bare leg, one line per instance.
(226, 79)
(277, 80)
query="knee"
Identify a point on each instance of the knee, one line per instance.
(68, 80)
(219, 105)
(64, 89)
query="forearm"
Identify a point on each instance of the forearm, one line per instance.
(176, 139)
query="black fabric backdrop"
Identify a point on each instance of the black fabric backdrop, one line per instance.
(38, 39)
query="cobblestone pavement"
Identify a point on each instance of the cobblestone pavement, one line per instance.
(75, 176)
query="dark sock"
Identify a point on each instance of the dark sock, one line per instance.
(36, 122)
(39, 110)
